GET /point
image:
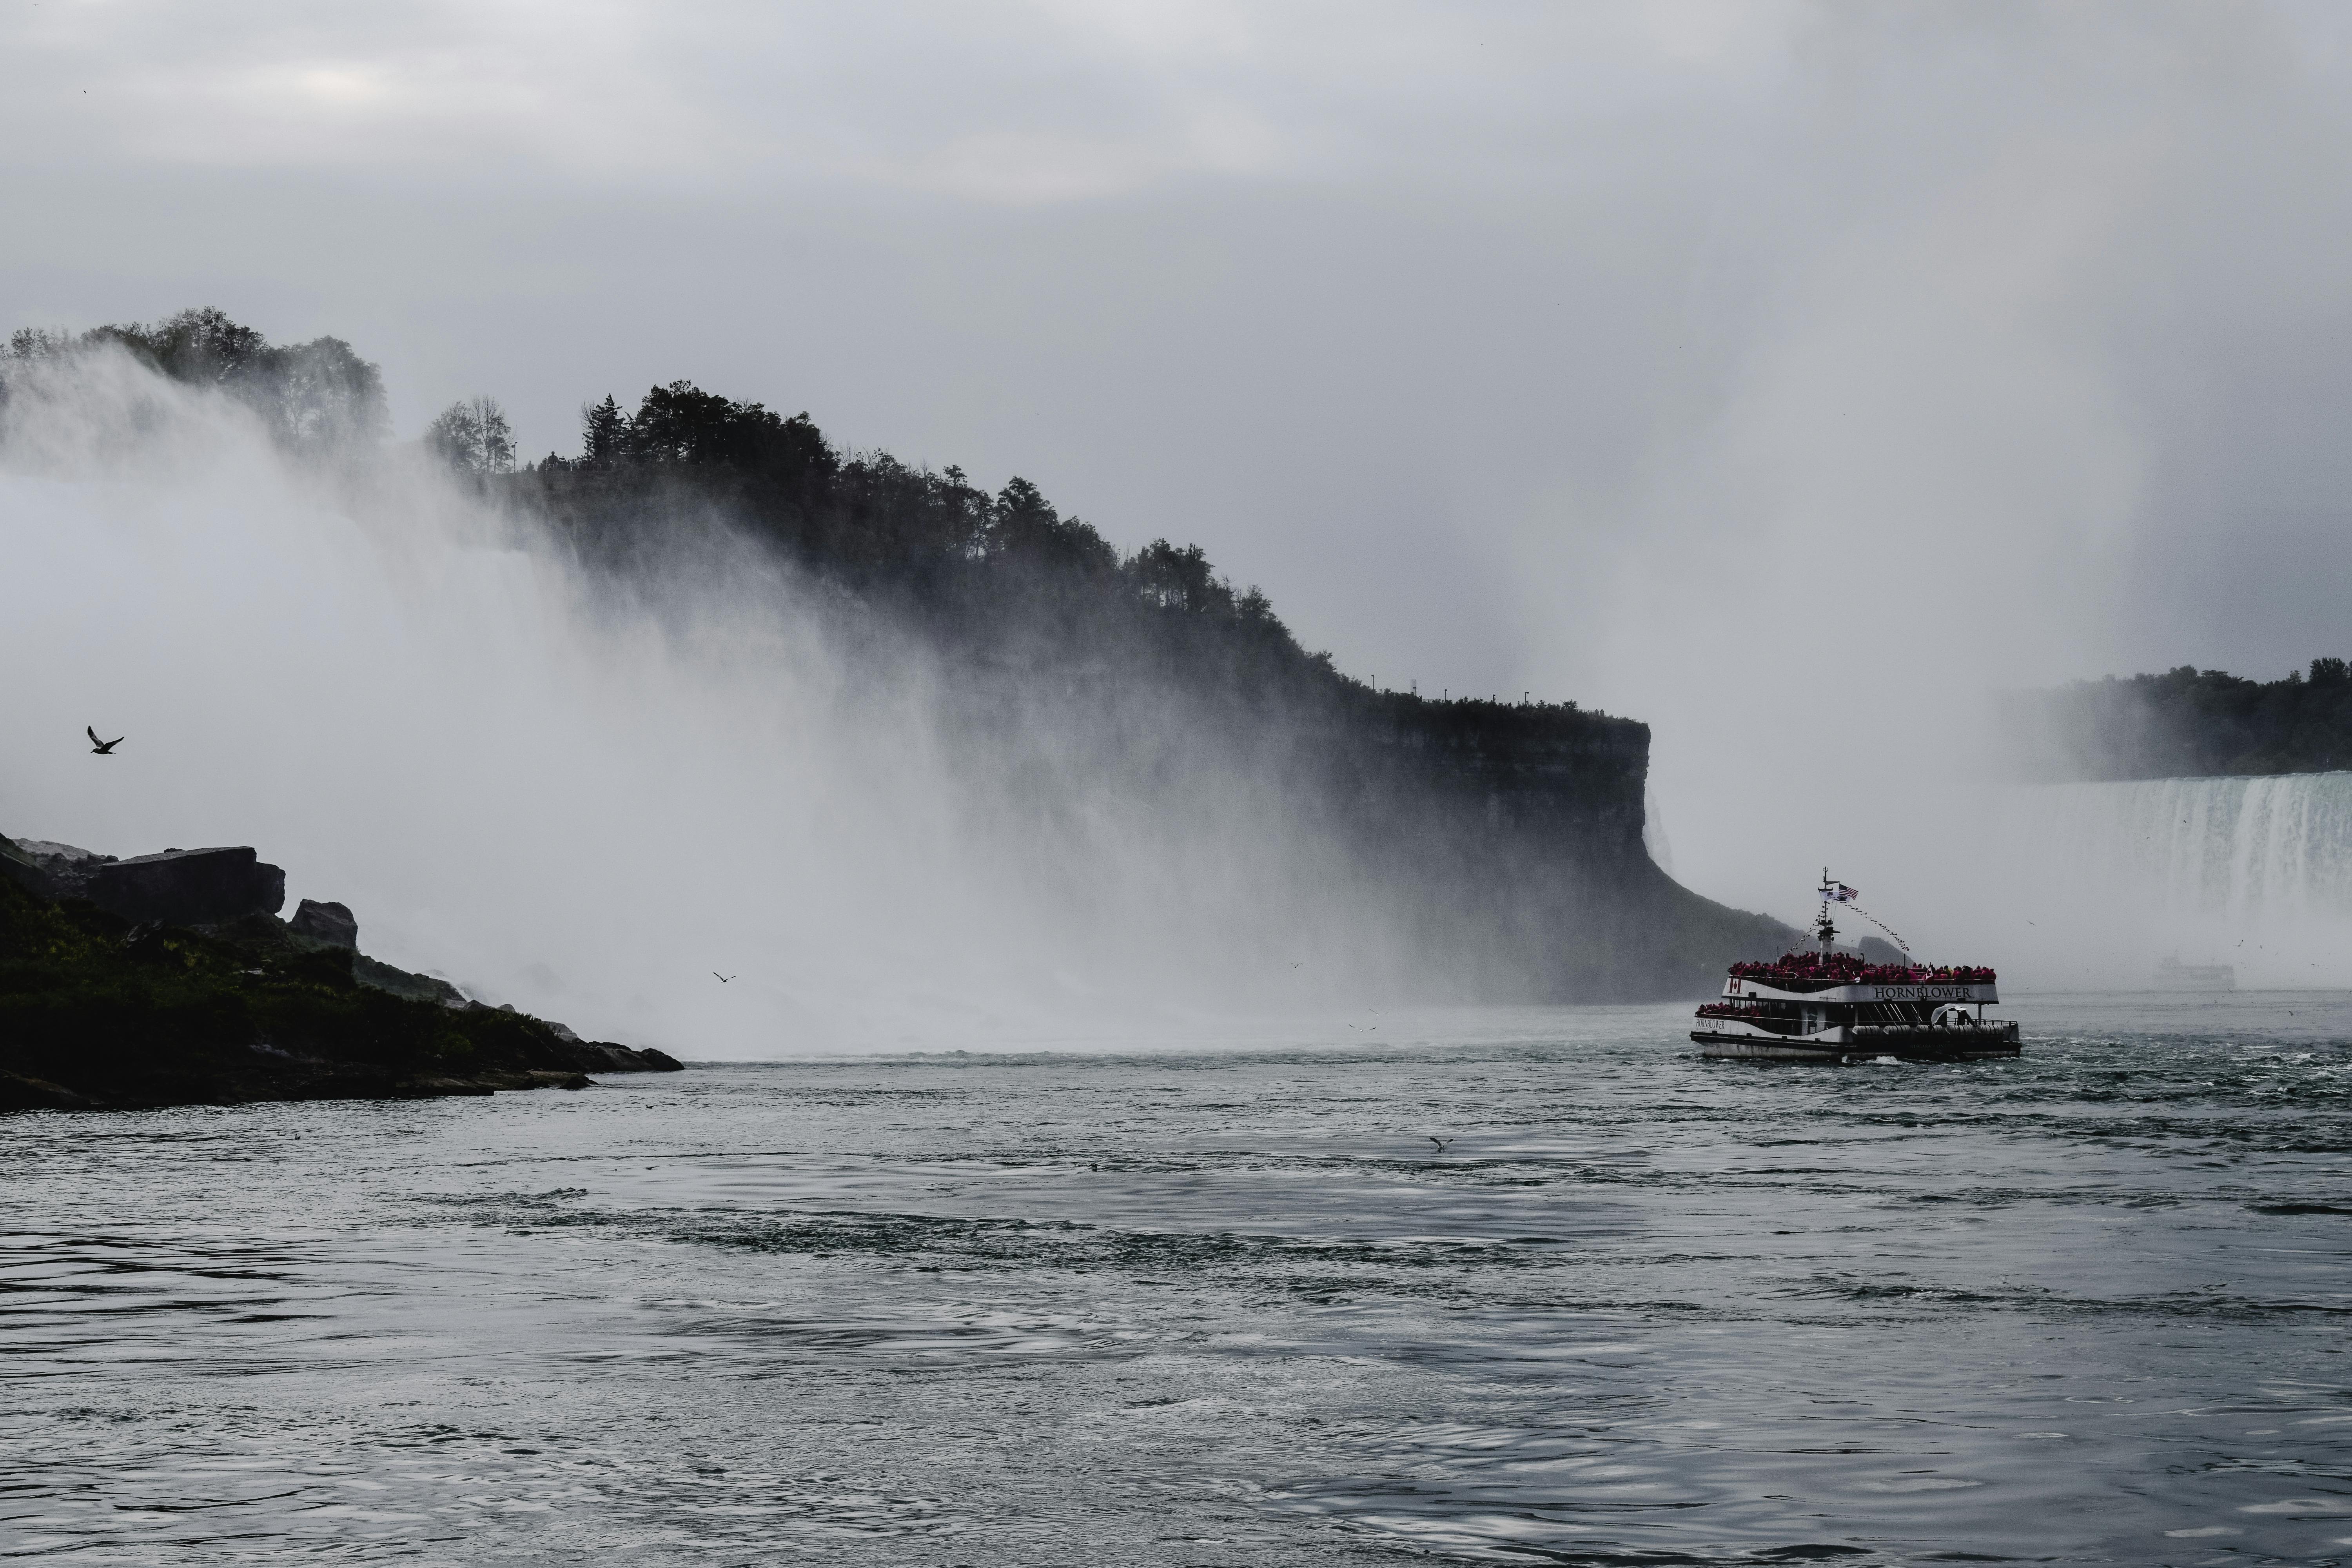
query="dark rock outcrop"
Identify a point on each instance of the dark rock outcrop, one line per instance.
(188, 887)
(178, 886)
(330, 923)
(99, 1011)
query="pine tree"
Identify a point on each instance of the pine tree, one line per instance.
(604, 433)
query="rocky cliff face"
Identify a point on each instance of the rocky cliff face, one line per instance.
(1500, 845)
(1524, 826)
(1507, 836)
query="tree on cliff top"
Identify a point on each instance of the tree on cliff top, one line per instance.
(315, 395)
(473, 435)
(1002, 575)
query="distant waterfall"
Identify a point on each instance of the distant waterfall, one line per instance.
(1654, 833)
(2252, 849)
(2254, 871)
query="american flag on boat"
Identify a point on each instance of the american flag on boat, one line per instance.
(1839, 893)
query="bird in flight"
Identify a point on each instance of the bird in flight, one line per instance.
(99, 747)
(723, 979)
(1441, 1143)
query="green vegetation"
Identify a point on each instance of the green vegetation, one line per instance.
(2188, 723)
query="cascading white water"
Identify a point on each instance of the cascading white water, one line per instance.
(2255, 872)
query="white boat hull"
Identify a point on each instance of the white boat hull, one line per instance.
(2220, 977)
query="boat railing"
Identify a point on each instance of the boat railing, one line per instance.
(1877, 974)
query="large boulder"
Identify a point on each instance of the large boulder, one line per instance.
(187, 887)
(330, 923)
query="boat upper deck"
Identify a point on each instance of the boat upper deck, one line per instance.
(1839, 977)
(1841, 969)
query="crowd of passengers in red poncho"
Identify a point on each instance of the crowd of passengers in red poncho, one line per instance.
(1847, 970)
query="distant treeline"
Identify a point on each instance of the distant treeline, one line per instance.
(2186, 723)
(1006, 573)
(1007, 579)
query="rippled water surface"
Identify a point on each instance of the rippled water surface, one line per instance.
(1228, 1306)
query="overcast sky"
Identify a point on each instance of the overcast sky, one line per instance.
(1632, 353)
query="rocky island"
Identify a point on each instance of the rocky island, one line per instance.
(169, 979)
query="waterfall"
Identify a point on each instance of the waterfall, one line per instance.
(1654, 833)
(2256, 872)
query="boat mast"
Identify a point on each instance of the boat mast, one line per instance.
(1822, 928)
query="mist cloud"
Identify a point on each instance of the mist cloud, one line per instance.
(1648, 354)
(587, 791)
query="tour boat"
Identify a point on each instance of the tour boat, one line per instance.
(2171, 974)
(1828, 1006)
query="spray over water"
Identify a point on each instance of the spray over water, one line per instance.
(588, 797)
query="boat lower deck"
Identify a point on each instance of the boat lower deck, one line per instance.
(1925, 1044)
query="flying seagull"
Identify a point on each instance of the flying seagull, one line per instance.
(1441, 1143)
(103, 748)
(723, 979)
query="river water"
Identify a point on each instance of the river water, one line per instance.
(1220, 1306)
